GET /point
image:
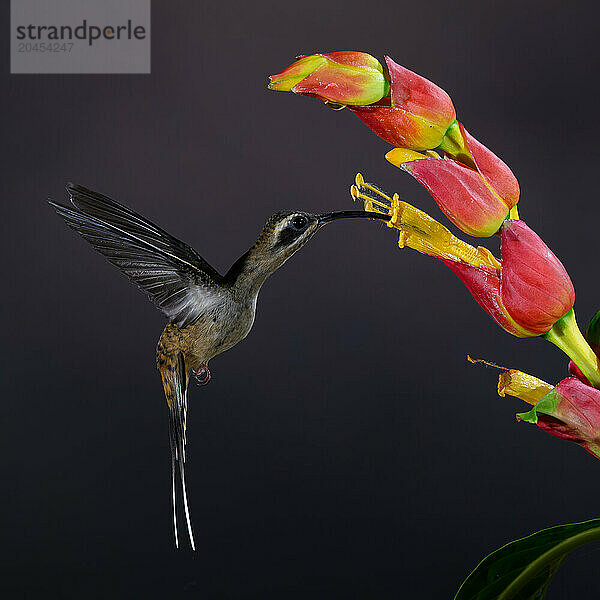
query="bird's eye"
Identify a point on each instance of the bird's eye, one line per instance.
(299, 222)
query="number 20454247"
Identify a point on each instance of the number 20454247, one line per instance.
(45, 46)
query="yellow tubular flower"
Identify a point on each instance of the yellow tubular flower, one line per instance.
(477, 267)
(523, 386)
(418, 230)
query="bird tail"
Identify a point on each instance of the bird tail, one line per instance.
(175, 381)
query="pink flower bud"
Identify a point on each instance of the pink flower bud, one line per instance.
(348, 78)
(476, 195)
(415, 115)
(531, 289)
(536, 289)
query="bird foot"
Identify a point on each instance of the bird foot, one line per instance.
(202, 374)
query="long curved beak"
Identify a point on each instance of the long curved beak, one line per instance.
(351, 214)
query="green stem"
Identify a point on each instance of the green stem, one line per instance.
(453, 144)
(566, 335)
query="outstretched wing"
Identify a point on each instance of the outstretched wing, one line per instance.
(177, 279)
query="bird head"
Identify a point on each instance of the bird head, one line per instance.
(286, 232)
(282, 236)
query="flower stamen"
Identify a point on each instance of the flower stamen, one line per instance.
(487, 363)
(418, 230)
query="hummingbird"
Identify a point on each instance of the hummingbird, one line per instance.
(207, 313)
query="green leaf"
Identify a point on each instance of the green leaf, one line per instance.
(592, 333)
(523, 569)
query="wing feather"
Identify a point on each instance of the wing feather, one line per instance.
(177, 279)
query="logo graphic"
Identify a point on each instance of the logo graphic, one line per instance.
(80, 36)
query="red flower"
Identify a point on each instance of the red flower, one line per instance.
(346, 78)
(531, 289)
(476, 192)
(416, 114)
(535, 287)
(400, 106)
(527, 292)
(569, 411)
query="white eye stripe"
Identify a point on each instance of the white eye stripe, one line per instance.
(280, 227)
(287, 222)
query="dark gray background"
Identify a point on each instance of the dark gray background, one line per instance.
(346, 448)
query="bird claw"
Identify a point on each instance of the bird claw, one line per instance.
(202, 374)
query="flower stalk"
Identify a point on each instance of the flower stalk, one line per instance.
(453, 144)
(566, 335)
